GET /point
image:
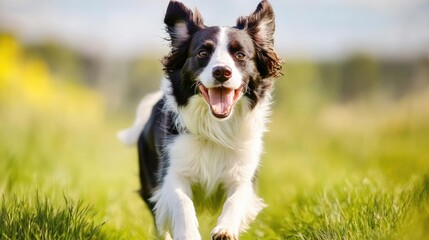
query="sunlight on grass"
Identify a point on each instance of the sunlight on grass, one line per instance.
(57, 143)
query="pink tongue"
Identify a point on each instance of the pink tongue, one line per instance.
(221, 99)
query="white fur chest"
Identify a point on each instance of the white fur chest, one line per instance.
(213, 151)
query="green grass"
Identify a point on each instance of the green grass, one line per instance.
(48, 157)
(349, 210)
(356, 171)
(21, 218)
(330, 171)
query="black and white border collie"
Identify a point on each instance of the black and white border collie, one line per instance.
(206, 125)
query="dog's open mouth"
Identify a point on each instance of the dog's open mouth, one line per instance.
(221, 99)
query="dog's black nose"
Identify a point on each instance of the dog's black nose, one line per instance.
(222, 73)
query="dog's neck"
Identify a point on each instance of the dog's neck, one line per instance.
(234, 133)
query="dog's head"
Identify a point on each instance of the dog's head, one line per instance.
(221, 64)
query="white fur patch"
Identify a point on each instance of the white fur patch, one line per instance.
(233, 133)
(221, 57)
(174, 209)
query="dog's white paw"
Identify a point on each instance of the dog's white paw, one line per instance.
(224, 233)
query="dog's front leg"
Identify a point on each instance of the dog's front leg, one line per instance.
(240, 208)
(174, 209)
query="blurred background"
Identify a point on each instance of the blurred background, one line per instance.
(114, 47)
(353, 102)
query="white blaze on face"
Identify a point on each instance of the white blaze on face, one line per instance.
(221, 98)
(221, 57)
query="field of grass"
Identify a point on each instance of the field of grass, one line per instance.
(355, 170)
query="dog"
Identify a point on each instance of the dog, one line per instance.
(206, 124)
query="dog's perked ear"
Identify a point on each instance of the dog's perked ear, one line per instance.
(260, 26)
(181, 22)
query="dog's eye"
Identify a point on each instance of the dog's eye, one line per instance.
(203, 53)
(240, 56)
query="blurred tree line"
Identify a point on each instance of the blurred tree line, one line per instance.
(358, 77)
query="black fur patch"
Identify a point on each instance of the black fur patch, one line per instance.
(154, 138)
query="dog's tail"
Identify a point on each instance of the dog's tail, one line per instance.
(131, 135)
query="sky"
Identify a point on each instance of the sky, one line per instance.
(319, 29)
